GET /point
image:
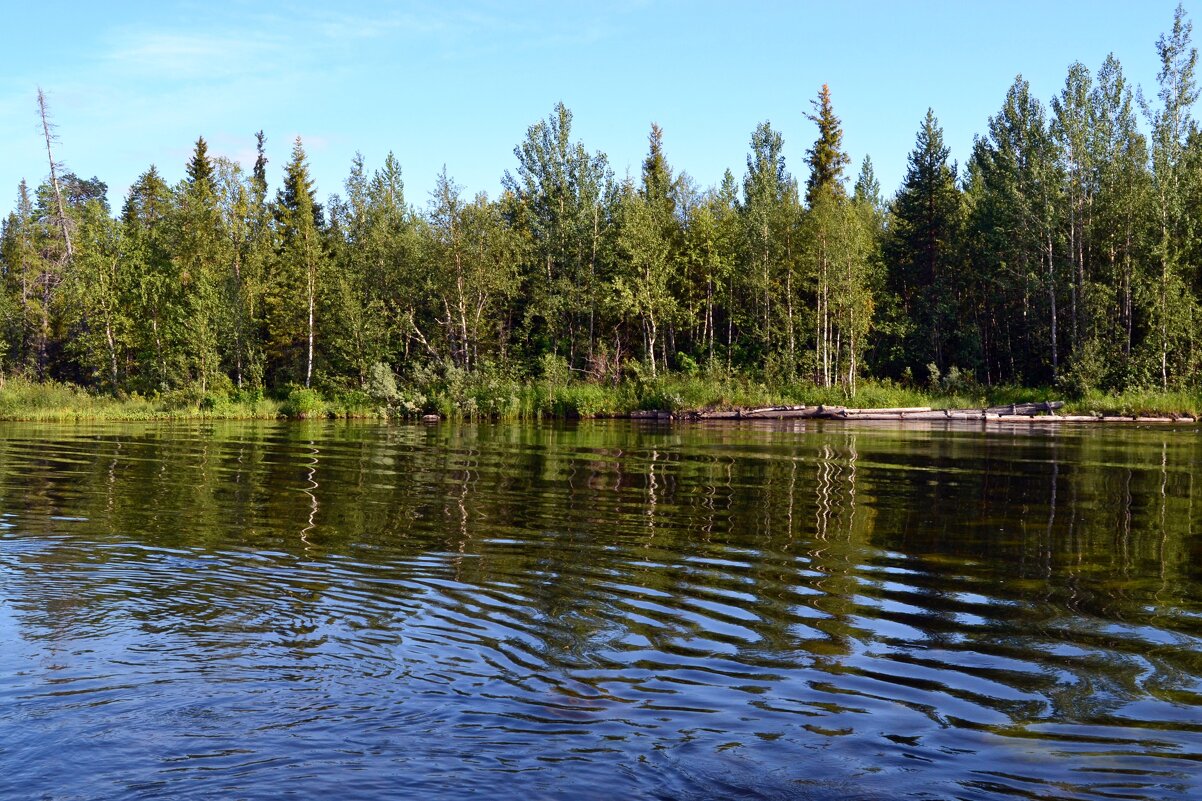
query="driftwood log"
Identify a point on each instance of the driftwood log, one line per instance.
(1026, 408)
(1038, 412)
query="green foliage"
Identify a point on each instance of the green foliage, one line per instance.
(561, 206)
(839, 258)
(1088, 372)
(302, 403)
(687, 365)
(765, 293)
(642, 290)
(381, 384)
(554, 370)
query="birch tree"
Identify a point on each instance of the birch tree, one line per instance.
(473, 260)
(1172, 124)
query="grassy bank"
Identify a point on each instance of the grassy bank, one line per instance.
(499, 399)
(21, 399)
(1142, 403)
(465, 396)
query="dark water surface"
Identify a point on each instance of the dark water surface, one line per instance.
(601, 610)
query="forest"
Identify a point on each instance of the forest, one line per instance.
(1063, 254)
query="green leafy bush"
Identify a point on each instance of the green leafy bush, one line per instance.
(304, 403)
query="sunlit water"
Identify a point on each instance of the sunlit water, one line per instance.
(602, 610)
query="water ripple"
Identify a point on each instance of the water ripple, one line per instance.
(598, 611)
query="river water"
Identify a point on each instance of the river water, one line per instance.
(600, 610)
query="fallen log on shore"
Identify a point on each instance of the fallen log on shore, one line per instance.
(786, 412)
(781, 412)
(650, 414)
(1038, 412)
(1025, 408)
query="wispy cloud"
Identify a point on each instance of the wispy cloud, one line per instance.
(272, 44)
(167, 55)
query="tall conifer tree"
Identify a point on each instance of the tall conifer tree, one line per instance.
(922, 249)
(292, 304)
(826, 158)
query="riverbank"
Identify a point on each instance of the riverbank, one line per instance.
(491, 398)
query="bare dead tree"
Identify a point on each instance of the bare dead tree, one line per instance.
(47, 130)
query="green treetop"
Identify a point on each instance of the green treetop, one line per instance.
(200, 166)
(826, 158)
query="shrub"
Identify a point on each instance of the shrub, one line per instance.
(381, 384)
(687, 364)
(302, 403)
(554, 369)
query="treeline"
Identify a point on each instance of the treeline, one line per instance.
(1065, 252)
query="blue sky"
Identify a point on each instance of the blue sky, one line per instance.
(135, 83)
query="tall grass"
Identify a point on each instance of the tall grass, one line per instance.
(489, 395)
(677, 393)
(1139, 403)
(492, 397)
(22, 399)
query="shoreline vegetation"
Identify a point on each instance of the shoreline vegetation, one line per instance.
(667, 397)
(1061, 260)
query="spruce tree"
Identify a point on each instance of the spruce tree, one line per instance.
(658, 183)
(200, 167)
(292, 304)
(922, 250)
(259, 176)
(867, 188)
(663, 232)
(826, 158)
(22, 266)
(153, 284)
(201, 253)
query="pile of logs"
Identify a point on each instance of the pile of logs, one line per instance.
(1041, 412)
